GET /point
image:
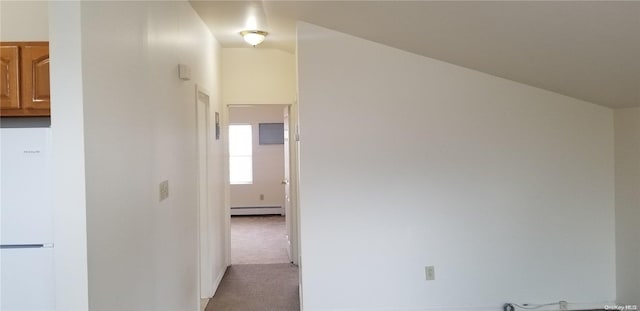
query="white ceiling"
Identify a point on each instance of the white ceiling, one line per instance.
(587, 50)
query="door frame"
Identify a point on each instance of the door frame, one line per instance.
(292, 213)
(294, 178)
(203, 209)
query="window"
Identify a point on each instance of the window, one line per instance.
(240, 154)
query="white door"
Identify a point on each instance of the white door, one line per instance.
(287, 185)
(204, 206)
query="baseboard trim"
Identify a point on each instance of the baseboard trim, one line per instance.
(203, 303)
(247, 207)
(218, 279)
(257, 210)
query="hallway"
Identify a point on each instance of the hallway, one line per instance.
(258, 240)
(266, 287)
(260, 277)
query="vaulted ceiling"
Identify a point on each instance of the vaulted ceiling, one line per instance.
(589, 50)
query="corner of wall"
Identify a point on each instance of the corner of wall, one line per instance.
(627, 153)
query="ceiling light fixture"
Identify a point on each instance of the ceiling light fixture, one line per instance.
(253, 37)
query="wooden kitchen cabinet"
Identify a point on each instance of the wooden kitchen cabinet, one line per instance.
(25, 67)
(35, 77)
(9, 78)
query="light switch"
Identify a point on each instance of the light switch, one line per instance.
(184, 72)
(164, 190)
(430, 273)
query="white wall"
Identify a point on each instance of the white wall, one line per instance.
(67, 127)
(268, 160)
(139, 129)
(24, 21)
(407, 161)
(258, 76)
(627, 129)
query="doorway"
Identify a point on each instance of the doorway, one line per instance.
(247, 286)
(210, 198)
(259, 174)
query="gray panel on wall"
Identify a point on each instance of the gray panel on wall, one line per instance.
(271, 133)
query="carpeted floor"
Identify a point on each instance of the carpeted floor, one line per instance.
(261, 277)
(258, 240)
(266, 287)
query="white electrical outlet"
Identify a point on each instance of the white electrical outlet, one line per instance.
(164, 190)
(563, 305)
(430, 273)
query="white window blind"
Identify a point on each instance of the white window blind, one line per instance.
(240, 154)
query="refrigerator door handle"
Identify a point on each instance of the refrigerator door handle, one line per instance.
(13, 246)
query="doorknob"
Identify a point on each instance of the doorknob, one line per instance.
(285, 182)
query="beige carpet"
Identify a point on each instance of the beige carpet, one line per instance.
(261, 277)
(269, 287)
(258, 240)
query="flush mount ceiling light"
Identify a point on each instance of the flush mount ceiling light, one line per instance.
(253, 37)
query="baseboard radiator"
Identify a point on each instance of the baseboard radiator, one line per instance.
(257, 210)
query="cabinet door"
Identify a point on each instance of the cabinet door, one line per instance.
(9, 78)
(35, 77)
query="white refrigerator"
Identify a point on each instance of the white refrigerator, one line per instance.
(26, 220)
